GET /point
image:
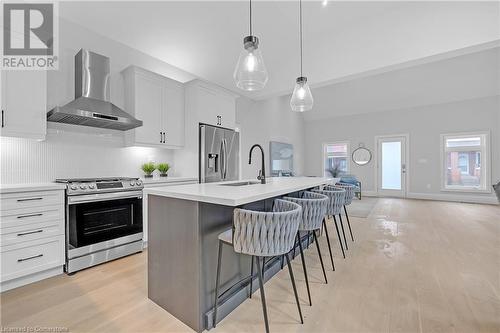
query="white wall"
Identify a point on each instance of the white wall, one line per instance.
(72, 156)
(264, 121)
(424, 124)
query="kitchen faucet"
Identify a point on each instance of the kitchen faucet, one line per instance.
(262, 171)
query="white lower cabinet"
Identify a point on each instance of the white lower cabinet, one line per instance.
(32, 237)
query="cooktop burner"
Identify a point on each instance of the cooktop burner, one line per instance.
(77, 186)
(94, 180)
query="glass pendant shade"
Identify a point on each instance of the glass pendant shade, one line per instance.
(250, 72)
(302, 99)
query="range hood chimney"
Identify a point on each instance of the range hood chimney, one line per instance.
(91, 106)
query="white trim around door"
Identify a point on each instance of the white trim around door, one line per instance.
(400, 190)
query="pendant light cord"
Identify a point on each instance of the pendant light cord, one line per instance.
(250, 17)
(300, 28)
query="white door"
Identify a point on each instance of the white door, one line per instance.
(24, 103)
(173, 114)
(392, 165)
(149, 109)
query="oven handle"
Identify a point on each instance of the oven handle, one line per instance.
(103, 197)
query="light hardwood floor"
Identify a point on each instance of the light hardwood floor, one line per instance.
(415, 266)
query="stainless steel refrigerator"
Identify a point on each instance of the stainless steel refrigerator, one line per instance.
(219, 158)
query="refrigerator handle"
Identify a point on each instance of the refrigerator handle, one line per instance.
(225, 158)
(222, 159)
(201, 157)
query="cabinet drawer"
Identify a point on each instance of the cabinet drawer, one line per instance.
(28, 216)
(31, 257)
(31, 199)
(9, 236)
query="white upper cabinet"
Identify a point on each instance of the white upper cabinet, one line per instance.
(159, 102)
(24, 104)
(211, 104)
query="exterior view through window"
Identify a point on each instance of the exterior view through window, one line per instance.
(464, 162)
(336, 157)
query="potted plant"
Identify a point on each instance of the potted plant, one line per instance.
(335, 170)
(163, 168)
(148, 169)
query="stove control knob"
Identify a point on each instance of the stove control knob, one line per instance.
(138, 183)
(83, 186)
(132, 183)
(91, 186)
(73, 187)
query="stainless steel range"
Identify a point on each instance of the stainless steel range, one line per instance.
(103, 220)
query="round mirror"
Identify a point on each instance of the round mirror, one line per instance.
(361, 156)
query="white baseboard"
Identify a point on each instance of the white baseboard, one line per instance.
(469, 198)
(15, 283)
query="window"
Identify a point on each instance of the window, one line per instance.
(336, 159)
(464, 162)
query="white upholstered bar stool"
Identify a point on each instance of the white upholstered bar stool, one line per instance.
(349, 195)
(337, 197)
(260, 235)
(314, 206)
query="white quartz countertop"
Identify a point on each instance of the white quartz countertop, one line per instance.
(217, 193)
(169, 179)
(30, 187)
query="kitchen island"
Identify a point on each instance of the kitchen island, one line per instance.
(184, 223)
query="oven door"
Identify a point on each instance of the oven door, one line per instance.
(96, 218)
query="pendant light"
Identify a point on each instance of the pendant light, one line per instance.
(250, 72)
(302, 99)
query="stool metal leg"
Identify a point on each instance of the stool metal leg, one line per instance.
(294, 287)
(262, 294)
(217, 283)
(328, 241)
(338, 235)
(348, 223)
(342, 226)
(251, 278)
(305, 270)
(319, 253)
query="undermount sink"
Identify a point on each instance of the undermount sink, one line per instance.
(240, 184)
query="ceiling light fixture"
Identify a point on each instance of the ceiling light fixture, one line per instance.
(302, 99)
(250, 72)
(324, 3)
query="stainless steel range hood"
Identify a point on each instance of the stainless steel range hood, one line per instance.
(91, 106)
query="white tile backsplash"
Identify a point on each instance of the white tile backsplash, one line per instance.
(70, 154)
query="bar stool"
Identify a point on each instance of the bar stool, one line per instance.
(337, 197)
(262, 234)
(314, 206)
(349, 195)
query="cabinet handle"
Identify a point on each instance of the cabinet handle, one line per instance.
(3, 121)
(29, 258)
(31, 215)
(161, 137)
(28, 199)
(29, 233)
(164, 137)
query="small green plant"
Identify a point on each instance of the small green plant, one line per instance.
(148, 168)
(335, 170)
(163, 168)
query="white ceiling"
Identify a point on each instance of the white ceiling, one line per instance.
(341, 39)
(470, 76)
